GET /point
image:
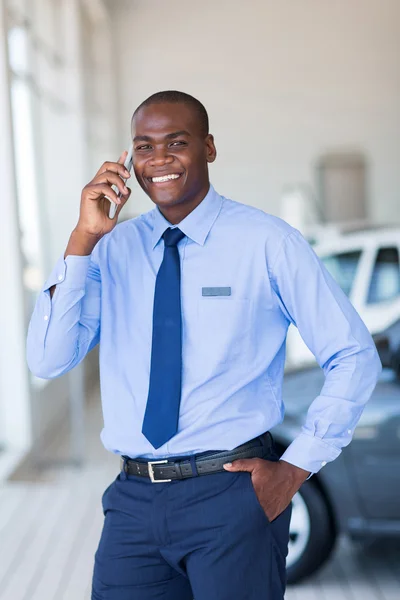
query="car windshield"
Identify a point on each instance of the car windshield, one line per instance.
(343, 268)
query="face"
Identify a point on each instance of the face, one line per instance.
(171, 156)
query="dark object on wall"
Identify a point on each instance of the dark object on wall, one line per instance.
(342, 186)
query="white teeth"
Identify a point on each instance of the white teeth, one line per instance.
(165, 178)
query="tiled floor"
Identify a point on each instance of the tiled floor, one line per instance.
(50, 524)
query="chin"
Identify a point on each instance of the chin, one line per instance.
(166, 198)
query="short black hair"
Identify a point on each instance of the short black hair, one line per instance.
(175, 97)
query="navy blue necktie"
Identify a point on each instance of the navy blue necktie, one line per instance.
(160, 421)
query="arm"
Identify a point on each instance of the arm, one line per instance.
(63, 329)
(342, 345)
(334, 332)
(66, 320)
(79, 245)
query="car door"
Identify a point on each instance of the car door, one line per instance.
(375, 452)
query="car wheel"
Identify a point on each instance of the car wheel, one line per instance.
(312, 535)
(396, 363)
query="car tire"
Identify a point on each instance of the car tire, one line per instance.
(312, 533)
(396, 363)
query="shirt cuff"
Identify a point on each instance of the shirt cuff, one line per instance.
(310, 453)
(71, 273)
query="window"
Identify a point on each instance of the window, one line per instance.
(22, 99)
(36, 94)
(385, 280)
(343, 268)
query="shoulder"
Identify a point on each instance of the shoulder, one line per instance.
(255, 220)
(260, 230)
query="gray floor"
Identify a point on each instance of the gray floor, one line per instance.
(50, 522)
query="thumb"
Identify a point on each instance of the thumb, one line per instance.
(244, 464)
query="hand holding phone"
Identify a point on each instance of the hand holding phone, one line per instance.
(108, 184)
(128, 167)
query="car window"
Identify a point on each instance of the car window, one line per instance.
(385, 280)
(343, 268)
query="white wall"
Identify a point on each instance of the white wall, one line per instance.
(77, 140)
(56, 55)
(66, 146)
(15, 417)
(283, 82)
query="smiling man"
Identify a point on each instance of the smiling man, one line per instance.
(177, 181)
(191, 304)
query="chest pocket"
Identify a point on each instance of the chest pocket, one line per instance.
(223, 325)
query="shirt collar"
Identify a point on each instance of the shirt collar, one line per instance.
(196, 225)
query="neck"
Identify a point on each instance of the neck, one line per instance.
(176, 213)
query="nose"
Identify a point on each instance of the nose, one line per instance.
(161, 157)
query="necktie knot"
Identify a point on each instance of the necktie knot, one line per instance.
(172, 237)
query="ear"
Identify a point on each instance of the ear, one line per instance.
(211, 151)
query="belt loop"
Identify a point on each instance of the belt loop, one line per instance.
(123, 475)
(267, 442)
(178, 469)
(193, 465)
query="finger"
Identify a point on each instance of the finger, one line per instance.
(115, 167)
(113, 179)
(124, 200)
(243, 464)
(123, 156)
(99, 190)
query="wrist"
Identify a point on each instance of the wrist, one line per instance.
(81, 243)
(297, 474)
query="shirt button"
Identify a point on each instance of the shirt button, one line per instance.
(349, 431)
(323, 463)
(60, 278)
(46, 317)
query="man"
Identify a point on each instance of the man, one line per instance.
(191, 303)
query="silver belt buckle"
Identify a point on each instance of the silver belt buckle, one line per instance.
(151, 472)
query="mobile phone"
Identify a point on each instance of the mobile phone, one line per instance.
(128, 166)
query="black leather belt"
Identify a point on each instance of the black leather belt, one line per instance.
(159, 471)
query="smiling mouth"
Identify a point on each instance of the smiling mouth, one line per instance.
(164, 178)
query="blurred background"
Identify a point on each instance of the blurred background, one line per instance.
(304, 103)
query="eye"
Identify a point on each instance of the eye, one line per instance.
(143, 147)
(178, 143)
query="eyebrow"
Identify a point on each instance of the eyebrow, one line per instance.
(169, 136)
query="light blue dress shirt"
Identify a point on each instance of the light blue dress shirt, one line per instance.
(233, 345)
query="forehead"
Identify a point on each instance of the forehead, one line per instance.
(165, 118)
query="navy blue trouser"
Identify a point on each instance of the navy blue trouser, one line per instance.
(206, 538)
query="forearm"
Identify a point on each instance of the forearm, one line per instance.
(79, 244)
(333, 415)
(63, 329)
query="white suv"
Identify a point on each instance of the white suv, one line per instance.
(366, 265)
